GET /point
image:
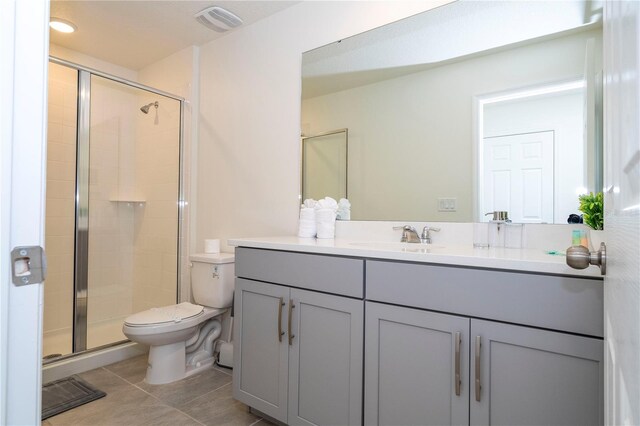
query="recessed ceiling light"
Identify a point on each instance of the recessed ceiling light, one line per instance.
(62, 25)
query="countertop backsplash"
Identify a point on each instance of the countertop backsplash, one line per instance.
(535, 236)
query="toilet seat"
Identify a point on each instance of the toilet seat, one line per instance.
(172, 314)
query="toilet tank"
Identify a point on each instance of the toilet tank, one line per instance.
(213, 279)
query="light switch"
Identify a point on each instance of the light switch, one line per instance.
(447, 204)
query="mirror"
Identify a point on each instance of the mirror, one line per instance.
(324, 165)
(464, 109)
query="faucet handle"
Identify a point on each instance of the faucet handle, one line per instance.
(407, 232)
(426, 236)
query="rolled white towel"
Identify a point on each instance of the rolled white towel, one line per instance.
(307, 223)
(325, 223)
(309, 203)
(307, 228)
(327, 203)
(307, 213)
(326, 229)
(344, 209)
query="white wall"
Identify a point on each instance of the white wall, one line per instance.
(248, 154)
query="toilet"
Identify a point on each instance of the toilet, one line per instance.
(182, 337)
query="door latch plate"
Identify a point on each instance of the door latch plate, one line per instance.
(28, 265)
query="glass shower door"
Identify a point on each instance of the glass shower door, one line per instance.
(60, 211)
(112, 206)
(133, 164)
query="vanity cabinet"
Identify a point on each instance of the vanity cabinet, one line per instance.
(443, 345)
(531, 351)
(430, 368)
(298, 354)
(413, 359)
(525, 376)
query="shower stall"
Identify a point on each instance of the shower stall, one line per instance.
(113, 206)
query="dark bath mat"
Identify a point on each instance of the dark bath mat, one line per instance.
(64, 394)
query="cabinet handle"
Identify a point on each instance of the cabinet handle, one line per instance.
(291, 336)
(280, 332)
(457, 372)
(478, 383)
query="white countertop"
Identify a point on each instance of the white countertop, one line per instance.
(519, 260)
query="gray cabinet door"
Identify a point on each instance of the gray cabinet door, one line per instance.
(325, 359)
(534, 377)
(411, 366)
(261, 352)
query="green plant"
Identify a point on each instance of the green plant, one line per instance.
(592, 208)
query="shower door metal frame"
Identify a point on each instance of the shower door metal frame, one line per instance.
(81, 260)
(81, 247)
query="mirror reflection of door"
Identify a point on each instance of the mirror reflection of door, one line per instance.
(518, 176)
(533, 156)
(324, 165)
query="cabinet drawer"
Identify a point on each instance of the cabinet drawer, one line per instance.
(559, 303)
(329, 274)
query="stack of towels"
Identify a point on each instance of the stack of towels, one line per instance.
(318, 218)
(344, 209)
(307, 226)
(326, 217)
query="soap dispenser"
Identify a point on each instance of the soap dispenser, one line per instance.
(497, 227)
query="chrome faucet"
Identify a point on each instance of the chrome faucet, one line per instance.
(426, 234)
(409, 234)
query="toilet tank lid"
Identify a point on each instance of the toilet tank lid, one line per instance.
(216, 258)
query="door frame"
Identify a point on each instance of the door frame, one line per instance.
(23, 85)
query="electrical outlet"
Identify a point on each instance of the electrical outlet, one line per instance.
(447, 204)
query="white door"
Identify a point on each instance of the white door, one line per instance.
(24, 43)
(518, 176)
(622, 212)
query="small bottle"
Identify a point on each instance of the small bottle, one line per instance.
(583, 239)
(496, 228)
(575, 237)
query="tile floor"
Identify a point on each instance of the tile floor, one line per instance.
(202, 399)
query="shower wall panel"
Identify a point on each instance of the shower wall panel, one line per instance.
(157, 162)
(114, 111)
(60, 210)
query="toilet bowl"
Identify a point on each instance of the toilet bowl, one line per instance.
(182, 337)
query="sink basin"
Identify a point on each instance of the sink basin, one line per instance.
(404, 247)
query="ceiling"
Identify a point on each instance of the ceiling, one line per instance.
(136, 33)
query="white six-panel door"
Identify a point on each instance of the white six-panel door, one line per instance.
(518, 176)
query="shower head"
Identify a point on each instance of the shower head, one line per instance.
(145, 108)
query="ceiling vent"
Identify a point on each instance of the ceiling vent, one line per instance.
(218, 19)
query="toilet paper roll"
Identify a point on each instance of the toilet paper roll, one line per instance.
(212, 246)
